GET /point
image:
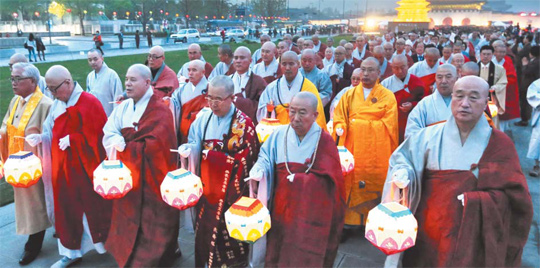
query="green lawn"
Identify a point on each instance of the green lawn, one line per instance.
(79, 68)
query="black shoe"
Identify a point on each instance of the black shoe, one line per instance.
(28, 257)
(521, 123)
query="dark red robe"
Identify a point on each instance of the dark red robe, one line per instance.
(308, 214)
(415, 94)
(222, 172)
(253, 90)
(189, 113)
(428, 80)
(166, 83)
(144, 229)
(491, 229)
(208, 69)
(511, 109)
(339, 83)
(270, 79)
(73, 170)
(387, 72)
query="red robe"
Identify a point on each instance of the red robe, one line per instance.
(415, 94)
(166, 83)
(511, 110)
(231, 70)
(73, 170)
(356, 63)
(189, 113)
(307, 215)
(144, 229)
(491, 229)
(208, 69)
(223, 171)
(270, 79)
(428, 81)
(253, 90)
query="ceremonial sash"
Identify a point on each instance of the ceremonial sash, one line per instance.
(282, 109)
(17, 144)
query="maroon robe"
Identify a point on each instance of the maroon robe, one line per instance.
(189, 113)
(322, 50)
(308, 214)
(387, 72)
(73, 170)
(144, 229)
(253, 90)
(356, 63)
(208, 69)
(415, 94)
(223, 171)
(511, 109)
(339, 83)
(166, 82)
(491, 229)
(231, 70)
(270, 79)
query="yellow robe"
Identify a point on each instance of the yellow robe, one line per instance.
(282, 111)
(371, 135)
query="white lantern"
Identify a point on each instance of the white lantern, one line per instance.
(346, 159)
(330, 126)
(23, 169)
(112, 179)
(181, 189)
(247, 220)
(266, 127)
(391, 227)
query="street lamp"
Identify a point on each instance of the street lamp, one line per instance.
(15, 16)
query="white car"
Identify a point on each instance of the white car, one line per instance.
(234, 34)
(184, 34)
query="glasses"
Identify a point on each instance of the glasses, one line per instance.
(56, 88)
(17, 79)
(154, 57)
(216, 100)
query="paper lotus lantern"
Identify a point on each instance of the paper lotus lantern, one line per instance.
(1, 169)
(346, 159)
(181, 189)
(391, 227)
(330, 126)
(23, 169)
(112, 179)
(493, 109)
(266, 127)
(247, 220)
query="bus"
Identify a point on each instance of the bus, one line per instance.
(218, 25)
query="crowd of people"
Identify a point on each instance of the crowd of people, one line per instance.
(427, 116)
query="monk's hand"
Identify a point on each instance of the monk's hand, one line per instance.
(64, 143)
(120, 98)
(401, 178)
(461, 198)
(339, 131)
(33, 139)
(120, 146)
(184, 150)
(406, 107)
(255, 174)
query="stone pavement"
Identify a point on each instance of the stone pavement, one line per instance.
(356, 252)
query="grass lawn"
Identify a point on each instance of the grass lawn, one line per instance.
(79, 68)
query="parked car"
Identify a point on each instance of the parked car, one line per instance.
(234, 34)
(184, 34)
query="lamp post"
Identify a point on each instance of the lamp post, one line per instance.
(15, 16)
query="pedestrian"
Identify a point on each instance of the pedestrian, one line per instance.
(222, 36)
(40, 47)
(30, 45)
(167, 35)
(149, 37)
(19, 33)
(137, 39)
(98, 41)
(275, 33)
(121, 39)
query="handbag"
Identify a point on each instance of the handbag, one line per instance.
(25, 45)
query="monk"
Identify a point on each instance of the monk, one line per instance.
(222, 148)
(463, 182)
(328, 57)
(300, 180)
(281, 48)
(435, 108)
(533, 96)
(511, 111)
(248, 86)
(355, 81)
(18, 57)
(386, 69)
(407, 88)
(458, 60)
(143, 228)
(318, 47)
(426, 69)
(366, 122)
(164, 81)
(318, 77)
(103, 82)
(361, 52)
(400, 50)
(25, 116)
(340, 71)
(256, 57)
(268, 68)
(225, 65)
(194, 53)
(190, 98)
(354, 62)
(74, 130)
(280, 92)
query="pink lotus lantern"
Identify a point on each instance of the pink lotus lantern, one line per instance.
(181, 189)
(23, 169)
(112, 179)
(266, 127)
(346, 159)
(391, 227)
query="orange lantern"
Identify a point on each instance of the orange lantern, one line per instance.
(266, 127)
(23, 169)
(247, 220)
(112, 179)
(181, 189)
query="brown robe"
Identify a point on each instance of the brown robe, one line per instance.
(253, 90)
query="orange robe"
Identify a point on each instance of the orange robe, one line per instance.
(371, 135)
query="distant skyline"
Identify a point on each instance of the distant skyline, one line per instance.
(517, 6)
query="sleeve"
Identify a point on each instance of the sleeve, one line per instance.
(195, 144)
(111, 131)
(88, 82)
(533, 95)
(325, 90)
(341, 115)
(117, 87)
(265, 163)
(500, 86)
(266, 97)
(416, 120)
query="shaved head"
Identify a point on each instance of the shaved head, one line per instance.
(400, 58)
(291, 55)
(193, 46)
(310, 98)
(473, 81)
(140, 69)
(58, 72)
(243, 49)
(199, 64)
(158, 50)
(194, 51)
(470, 68)
(59, 80)
(432, 51)
(17, 57)
(469, 101)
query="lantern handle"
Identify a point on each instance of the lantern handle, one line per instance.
(402, 199)
(112, 155)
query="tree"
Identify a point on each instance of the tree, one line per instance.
(24, 9)
(269, 8)
(81, 8)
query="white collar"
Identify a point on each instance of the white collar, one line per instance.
(296, 83)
